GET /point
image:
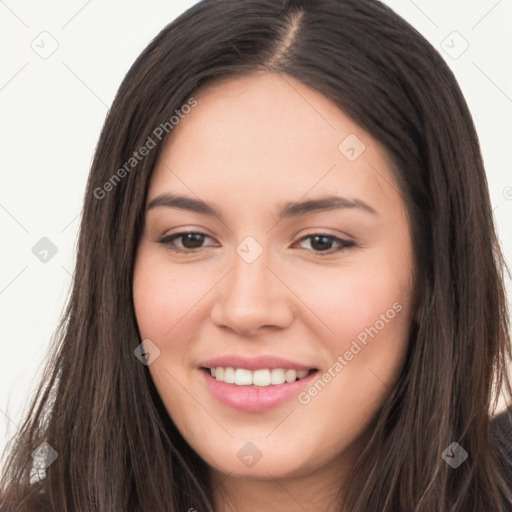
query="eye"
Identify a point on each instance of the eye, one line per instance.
(323, 243)
(189, 241)
(318, 242)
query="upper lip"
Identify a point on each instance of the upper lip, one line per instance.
(254, 363)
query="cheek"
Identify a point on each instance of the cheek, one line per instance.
(165, 300)
(352, 300)
(368, 313)
(166, 303)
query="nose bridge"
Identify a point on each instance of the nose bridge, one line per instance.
(251, 296)
(250, 278)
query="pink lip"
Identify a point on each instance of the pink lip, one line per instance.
(254, 363)
(254, 398)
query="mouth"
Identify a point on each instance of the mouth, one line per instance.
(255, 384)
(263, 377)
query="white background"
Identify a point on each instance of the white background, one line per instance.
(52, 111)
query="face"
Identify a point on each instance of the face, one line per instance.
(277, 256)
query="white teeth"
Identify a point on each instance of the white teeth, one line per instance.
(290, 375)
(229, 375)
(261, 378)
(243, 377)
(277, 376)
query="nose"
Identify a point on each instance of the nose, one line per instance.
(251, 298)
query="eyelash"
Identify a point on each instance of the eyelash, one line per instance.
(168, 241)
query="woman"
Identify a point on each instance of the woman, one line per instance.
(288, 292)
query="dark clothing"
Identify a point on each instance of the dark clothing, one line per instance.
(502, 428)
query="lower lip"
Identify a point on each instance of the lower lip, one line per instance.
(255, 398)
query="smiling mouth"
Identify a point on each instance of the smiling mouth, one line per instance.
(257, 378)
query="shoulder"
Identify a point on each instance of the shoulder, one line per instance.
(501, 426)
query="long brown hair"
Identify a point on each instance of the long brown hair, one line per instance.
(97, 407)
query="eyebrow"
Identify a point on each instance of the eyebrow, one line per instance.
(289, 209)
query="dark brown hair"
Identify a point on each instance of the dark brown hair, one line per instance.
(117, 447)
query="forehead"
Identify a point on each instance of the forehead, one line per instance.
(271, 136)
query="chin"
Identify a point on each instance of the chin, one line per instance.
(262, 459)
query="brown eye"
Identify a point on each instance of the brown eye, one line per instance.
(188, 241)
(322, 243)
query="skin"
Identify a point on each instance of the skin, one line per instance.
(251, 144)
